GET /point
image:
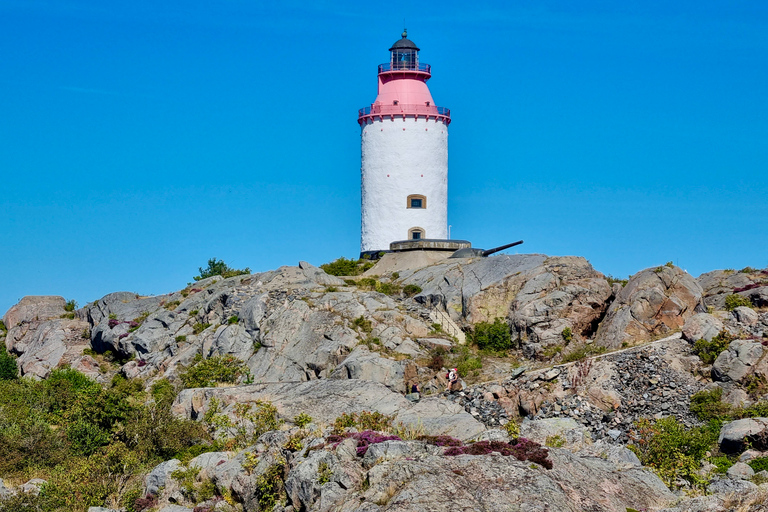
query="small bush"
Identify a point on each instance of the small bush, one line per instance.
(170, 306)
(723, 463)
(324, 473)
(613, 280)
(759, 464)
(709, 350)
(567, 334)
(365, 420)
(70, 305)
(556, 441)
(493, 336)
(671, 450)
(331, 289)
(232, 320)
(734, 301)
(362, 324)
(395, 275)
(181, 338)
(346, 267)
(208, 372)
(748, 270)
(269, 486)
(707, 405)
(200, 327)
(367, 283)
(248, 425)
(512, 428)
(388, 288)
(219, 268)
(669, 264)
(411, 289)
(302, 420)
(8, 368)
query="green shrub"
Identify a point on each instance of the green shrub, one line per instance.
(367, 283)
(709, 350)
(232, 320)
(613, 280)
(208, 372)
(707, 405)
(8, 368)
(345, 267)
(759, 464)
(388, 288)
(219, 268)
(669, 264)
(671, 450)
(248, 423)
(200, 327)
(269, 486)
(324, 473)
(748, 270)
(170, 306)
(70, 305)
(395, 275)
(734, 301)
(180, 339)
(3, 328)
(365, 420)
(722, 462)
(362, 324)
(411, 289)
(302, 420)
(466, 362)
(492, 336)
(567, 334)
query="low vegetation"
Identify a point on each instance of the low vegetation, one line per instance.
(205, 373)
(219, 268)
(734, 301)
(346, 267)
(709, 350)
(92, 443)
(492, 336)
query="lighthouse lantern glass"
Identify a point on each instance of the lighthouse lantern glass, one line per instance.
(405, 59)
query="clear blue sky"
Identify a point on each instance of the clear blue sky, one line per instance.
(138, 139)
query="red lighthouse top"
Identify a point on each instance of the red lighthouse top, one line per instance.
(403, 87)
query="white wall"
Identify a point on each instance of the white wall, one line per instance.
(400, 158)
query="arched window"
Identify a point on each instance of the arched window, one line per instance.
(416, 234)
(416, 201)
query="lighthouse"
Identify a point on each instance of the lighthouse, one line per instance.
(404, 171)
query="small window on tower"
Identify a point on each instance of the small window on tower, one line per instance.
(415, 233)
(416, 201)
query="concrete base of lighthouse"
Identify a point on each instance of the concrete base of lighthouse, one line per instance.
(424, 244)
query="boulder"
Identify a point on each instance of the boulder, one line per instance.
(742, 358)
(654, 302)
(573, 435)
(732, 486)
(318, 276)
(52, 343)
(741, 471)
(231, 340)
(34, 308)
(701, 326)
(745, 315)
(365, 365)
(160, 476)
(736, 435)
(719, 284)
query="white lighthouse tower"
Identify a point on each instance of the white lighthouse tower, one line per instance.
(404, 156)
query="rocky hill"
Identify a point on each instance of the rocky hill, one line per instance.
(307, 377)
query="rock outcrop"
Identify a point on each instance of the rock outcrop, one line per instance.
(654, 303)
